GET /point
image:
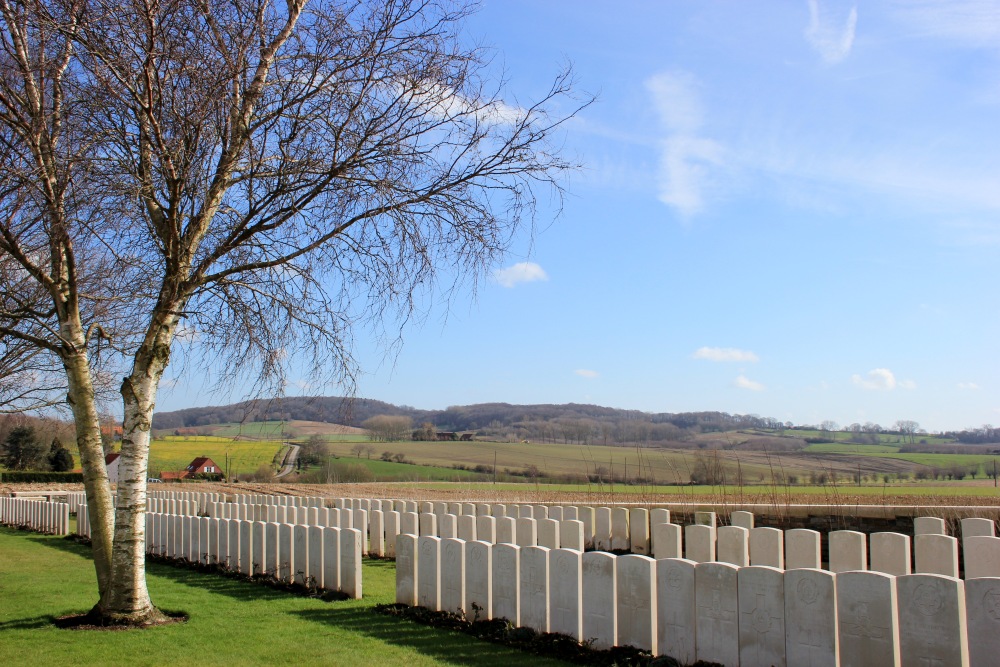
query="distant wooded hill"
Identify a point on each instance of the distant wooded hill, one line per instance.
(571, 422)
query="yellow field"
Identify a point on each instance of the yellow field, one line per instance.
(174, 453)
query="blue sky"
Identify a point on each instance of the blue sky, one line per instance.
(786, 208)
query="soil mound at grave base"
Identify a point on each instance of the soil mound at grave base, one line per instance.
(93, 620)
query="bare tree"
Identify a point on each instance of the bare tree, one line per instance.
(265, 175)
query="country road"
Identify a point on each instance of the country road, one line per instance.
(288, 465)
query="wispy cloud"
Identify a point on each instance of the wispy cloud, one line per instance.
(831, 38)
(970, 23)
(522, 272)
(685, 157)
(743, 382)
(969, 386)
(584, 373)
(724, 354)
(881, 379)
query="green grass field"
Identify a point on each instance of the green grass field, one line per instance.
(173, 453)
(231, 622)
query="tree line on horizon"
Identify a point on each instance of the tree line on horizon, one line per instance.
(571, 422)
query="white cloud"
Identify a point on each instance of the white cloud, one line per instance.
(966, 22)
(724, 354)
(877, 379)
(445, 103)
(827, 37)
(907, 384)
(971, 386)
(685, 158)
(743, 382)
(584, 373)
(522, 272)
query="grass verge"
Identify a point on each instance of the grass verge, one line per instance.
(231, 622)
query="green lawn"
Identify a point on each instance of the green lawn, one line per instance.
(232, 622)
(245, 456)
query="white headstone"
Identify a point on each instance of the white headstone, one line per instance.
(535, 588)
(300, 555)
(602, 529)
(407, 576)
(700, 542)
(638, 526)
(982, 605)
(867, 613)
(506, 527)
(890, 553)
(732, 545)
(467, 527)
(571, 534)
(331, 559)
(675, 611)
(802, 549)
(932, 622)
(658, 515)
(742, 519)
(928, 525)
(286, 552)
(376, 533)
(620, 529)
(527, 532)
(666, 540)
(848, 551)
(637, 601)
(762, 616)
(479, 580)
(705, 519)
(566, 592)
(811, 634)
(975, 527)
(936, 554)
(453, 575)
(486, 528)
(429, 572)
(506, 580)
(391, 519)
(600, 595)
(272, 550)
(247, 545)
(448, 526)
(982, 557)
(717, 614)
(586, 515)
(316, 555)
(767, 547)
(409, 523)
(428, 525)
(548, 533)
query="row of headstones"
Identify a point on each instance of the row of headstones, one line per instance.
(716, 612)
(316, 556)
(36, 515)
(932, 551)
(173, 506)
(203, 498)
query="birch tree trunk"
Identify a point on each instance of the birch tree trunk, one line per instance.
(127, 599)
(95, 474)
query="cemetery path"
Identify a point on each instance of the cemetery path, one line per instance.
(289, 463)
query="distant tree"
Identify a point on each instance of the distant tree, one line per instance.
(60, 458)
(388, 428)
(313, 451)
(22, 451)
(907, 428)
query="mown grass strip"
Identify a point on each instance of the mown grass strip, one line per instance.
(232, 622)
